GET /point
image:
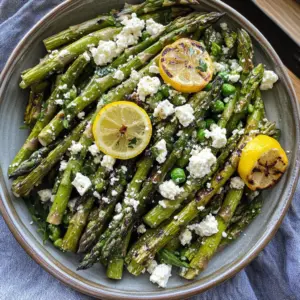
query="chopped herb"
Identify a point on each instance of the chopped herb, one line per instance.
(132, 142)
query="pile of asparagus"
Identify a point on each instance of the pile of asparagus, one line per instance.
(115, 233)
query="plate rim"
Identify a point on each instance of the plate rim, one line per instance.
(178, 292)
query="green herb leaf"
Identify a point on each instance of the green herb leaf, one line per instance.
(202, 65)
(132, 142)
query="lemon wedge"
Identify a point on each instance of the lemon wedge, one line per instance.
(186, 66)
(262, 163)
(122, 129)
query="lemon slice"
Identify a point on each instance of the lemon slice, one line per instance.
(122, 129)
(262, 162)
(186, 66)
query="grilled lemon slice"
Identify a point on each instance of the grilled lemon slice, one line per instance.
(122, 129)
(262, 163)
(186, 66)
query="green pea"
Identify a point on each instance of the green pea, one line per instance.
(178, 175)
(209, 122)
(250, 108)
(215, 49)
(218, 106)
(54, 232)
(208, 87)
(201, 135)
(228, 89)
(224, 75)
(202, 124)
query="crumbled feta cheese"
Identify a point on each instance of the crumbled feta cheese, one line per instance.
(75, 147)
(63, 87)
(224, 234)
(81, 183)
(161, 146)
(206, 227)
(237, 183)
(169, 189)
(154, 69)
(114, 193)
(269, 78)
(108, 162)
(154, 28)
(81, 115)
(86, 56)
(141, 229)
(93, 149)
(201, 208)
(153, 264)
(45, 195)
(185, 237)
(219, 67)
(96, 195)
(163, 109)
(106, 200)
(105, 52)
(161, 275)
(72, 203)
(147, 86)
(63, 165)
(218, 136)
(234, 66)
(119, 75)
(201, 163)
(234, 77)
(224, 26)
(118, 208)
(59, 101)
(131, 202)
(67, 95)
(118, 217)
(124, 169)
(225, 50)
(238, 131)
(135, 75)
(185, 114)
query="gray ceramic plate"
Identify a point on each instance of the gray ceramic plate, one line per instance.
(281, 106)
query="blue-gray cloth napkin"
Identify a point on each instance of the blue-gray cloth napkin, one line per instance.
(274, 274)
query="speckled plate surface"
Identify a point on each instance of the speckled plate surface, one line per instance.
(281, 105)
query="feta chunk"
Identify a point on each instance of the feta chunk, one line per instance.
(219, 67)
(154, 28)
(201, 162)
(75, 147)
(234, 66)
(135, 75)
(161, 275)
(63, 165)
(81, 115)
(131, 202)
(269, 78)
(141, 229)
(105, 52)
(163, 109)
(119, 75)
(93, 149)
(237, 183)
(86, 56)
(161, 146)
(224, 26)
(81, 183)
(234, 77)
(45, 195)
(185, 237)
(185, 114)
(169, 189)
(218, 136)
(118, 208)
(108, 162)
(147, 86)
(206, 227)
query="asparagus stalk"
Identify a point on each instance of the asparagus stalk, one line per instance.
(190, 211)
(65, 56)
(48, 111)
(99, 85)
(76, 226)
(245, 51)
(65, 188)
(34, 106)
(23, 185)
(209, 245)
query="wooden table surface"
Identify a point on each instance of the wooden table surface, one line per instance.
(287, 14)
